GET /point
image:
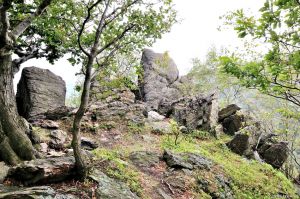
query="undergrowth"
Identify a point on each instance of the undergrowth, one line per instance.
(250, 179)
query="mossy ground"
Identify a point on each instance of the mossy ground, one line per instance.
(248, 179)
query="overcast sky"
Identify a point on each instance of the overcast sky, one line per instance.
(191, 38)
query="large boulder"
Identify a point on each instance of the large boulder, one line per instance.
(253, 143)
(274, 154)
(38, 91)
(43, 170)
(159, 74)
(246, 141)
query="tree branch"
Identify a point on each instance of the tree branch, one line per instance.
(21, 27)
(100, 28)
(83, 26)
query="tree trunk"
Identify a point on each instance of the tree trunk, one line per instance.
(14, 143)
(81, 166)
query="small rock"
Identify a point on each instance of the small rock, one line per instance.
(58, 139)
(44, 147)
(58, 113)
(245, 141)
(155, 117)
(163, 194)
(3, 171)
(183, 129)
(145, 159)
(88, 144)
(275, 154)
(54, 154)
(162, 127)
(233, 124)
(47, 124)
(186, 161)
(228, 111)
(176, 161)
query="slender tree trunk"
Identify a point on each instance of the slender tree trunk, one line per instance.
(14, 143)
(81, 166)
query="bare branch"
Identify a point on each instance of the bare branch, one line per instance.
(100, 28)
(83, 26)
(21, 27)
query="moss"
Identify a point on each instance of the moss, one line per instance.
(119, 169)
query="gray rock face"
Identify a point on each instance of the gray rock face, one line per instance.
(228, 111)
(120, 105)
(38, 91)
(252, 143)
(198, 112)
(32, 192)
(43, 170)
(245, 141)
(109, 188)
(3, 171)
(144, 159)
(160, 73)
(186, 161)
(274, 154)
(231, 119)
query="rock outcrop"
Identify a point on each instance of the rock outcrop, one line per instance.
(198, 112)
(119, 105)
(253, 143)
(38, 91)
(158, 80)
(163, 91)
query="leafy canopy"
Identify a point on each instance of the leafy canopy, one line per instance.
(277, 71)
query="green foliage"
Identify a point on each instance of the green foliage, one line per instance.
(107, 126)
(276, 72)
(119, 169)
(135, 128)
(206, 76)
(50, 35)
(175, 131)
(201, 135)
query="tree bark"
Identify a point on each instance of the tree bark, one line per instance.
(81, 166)
(14, 143)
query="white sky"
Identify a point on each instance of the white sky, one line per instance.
(189, 39)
